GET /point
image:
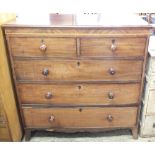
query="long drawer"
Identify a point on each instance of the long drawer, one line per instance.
(94, 70)
(79, 94)
(43, 47)
(80, 117)
(113, 47)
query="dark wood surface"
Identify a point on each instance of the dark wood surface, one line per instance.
(66, 47)
(80, 117)
(78, 71)
(79, 94)
(31, 47)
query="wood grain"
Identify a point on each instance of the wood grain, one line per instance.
(78, 70)
(102, 47)
(3, 119)
(4, 134)
(81, 71)
(7, 94)
(80, 117)
(77, 32)
(56, 47)
(79, 94)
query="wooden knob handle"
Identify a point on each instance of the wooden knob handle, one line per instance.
(111, 95)
(51, 118)
(110, 118)
(45, 72)
(112, 71)
(43, 47)
(48, 95)
(113, 46)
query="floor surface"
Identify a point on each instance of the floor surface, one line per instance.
(109, 136)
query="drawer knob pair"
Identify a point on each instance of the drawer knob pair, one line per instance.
(113, 46)
(48, 95)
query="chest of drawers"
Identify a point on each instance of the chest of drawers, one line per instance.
(78, 77)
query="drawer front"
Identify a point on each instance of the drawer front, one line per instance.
(113, 47)
(79, 94)
(43, 47)
(104, 70)
(148, 126)
(80, 117)
(4, 134)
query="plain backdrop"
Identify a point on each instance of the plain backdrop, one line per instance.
(46, 6)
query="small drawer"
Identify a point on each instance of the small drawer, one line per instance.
(79, 94)
(80, 117)
(118, 47)
(43, 47)
(148, 126)
(80, 70)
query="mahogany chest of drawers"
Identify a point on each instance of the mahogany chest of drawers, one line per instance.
(78, 77)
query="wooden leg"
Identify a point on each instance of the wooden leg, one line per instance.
(27, 134)
(135, 132)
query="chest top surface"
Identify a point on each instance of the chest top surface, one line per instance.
(78, 20)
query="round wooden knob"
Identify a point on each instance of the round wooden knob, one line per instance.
(78, 63)
(45, 72)
(43, 47)
(110, 118)
(112, 71)
(110, 95)
(80, 109)
(48, 95)
(113, 46)
(51, 118)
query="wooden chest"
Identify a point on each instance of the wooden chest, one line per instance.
(78, 77)
(10, 128)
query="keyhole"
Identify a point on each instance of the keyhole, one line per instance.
(79, 87)
(80, 110)
(78, 63)
(113, 41)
